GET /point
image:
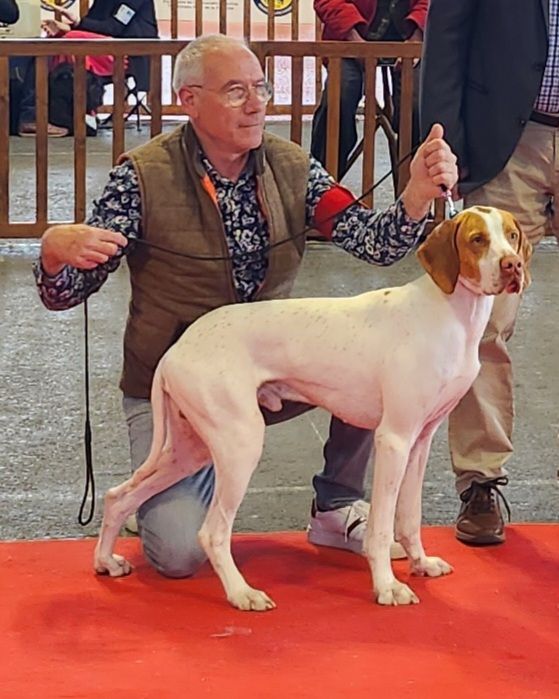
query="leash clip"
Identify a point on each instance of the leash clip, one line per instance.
(449, 200)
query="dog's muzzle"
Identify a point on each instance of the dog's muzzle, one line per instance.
(512, 273)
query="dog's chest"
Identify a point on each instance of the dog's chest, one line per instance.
(448, 390)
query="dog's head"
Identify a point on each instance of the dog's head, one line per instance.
(483, 245)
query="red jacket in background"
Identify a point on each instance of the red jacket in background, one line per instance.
(102, 66)
(339, 17)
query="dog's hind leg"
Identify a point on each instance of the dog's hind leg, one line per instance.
(408, 509)
(236, 446)
(176, 452)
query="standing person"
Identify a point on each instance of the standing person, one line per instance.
(221, 187)
(364, 20)
(490, 75)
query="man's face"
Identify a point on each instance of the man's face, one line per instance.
(234, 129)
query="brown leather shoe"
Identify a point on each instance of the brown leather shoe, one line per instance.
(480, 521)
(30, 129)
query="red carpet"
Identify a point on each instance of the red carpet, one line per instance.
(489, 630)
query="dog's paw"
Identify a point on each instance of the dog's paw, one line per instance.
(432, 566)
(116, 566)
(395, 594)
(250, 600)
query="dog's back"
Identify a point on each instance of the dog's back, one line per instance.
(322, 350)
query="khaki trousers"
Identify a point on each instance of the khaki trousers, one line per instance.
(480, 427)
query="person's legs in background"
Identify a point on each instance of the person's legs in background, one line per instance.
(350, 95)
(480, 432)
(480, 427)
(18, 70)
(27, 109)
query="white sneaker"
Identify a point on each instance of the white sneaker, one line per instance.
(344, 528)
(131, 524)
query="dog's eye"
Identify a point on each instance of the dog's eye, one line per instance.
(478, 239)
(514, 235)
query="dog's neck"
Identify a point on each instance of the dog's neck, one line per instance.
(468, 305)
(472, 307)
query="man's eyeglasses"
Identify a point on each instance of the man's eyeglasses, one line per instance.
(237, 95)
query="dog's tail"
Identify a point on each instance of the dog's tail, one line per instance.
(159, 400)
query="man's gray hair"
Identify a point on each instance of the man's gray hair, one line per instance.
(189, 66)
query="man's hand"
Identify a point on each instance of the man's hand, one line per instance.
(354, 35)
(416, 35)
(433, 166)
(78, 245)
(53, 27)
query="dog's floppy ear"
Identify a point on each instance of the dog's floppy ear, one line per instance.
(525, 250)
(438, 255)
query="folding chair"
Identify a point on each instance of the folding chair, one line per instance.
(139, 104)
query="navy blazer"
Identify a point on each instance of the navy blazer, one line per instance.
(482, 68)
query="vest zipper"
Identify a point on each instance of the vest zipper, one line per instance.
(209, 188)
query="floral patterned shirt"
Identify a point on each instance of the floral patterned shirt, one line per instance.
(380, 238)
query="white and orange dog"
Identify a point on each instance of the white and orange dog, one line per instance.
(393, 360)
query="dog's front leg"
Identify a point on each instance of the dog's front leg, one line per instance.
(408, 510)
(391, 458)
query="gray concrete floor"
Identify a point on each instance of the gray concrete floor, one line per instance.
(42, 401)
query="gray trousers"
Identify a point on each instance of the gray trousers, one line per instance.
(169, 521)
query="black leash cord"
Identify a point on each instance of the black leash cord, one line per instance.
(89, 475)
(304, 232)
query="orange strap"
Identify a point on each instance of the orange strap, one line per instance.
(208, 185)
